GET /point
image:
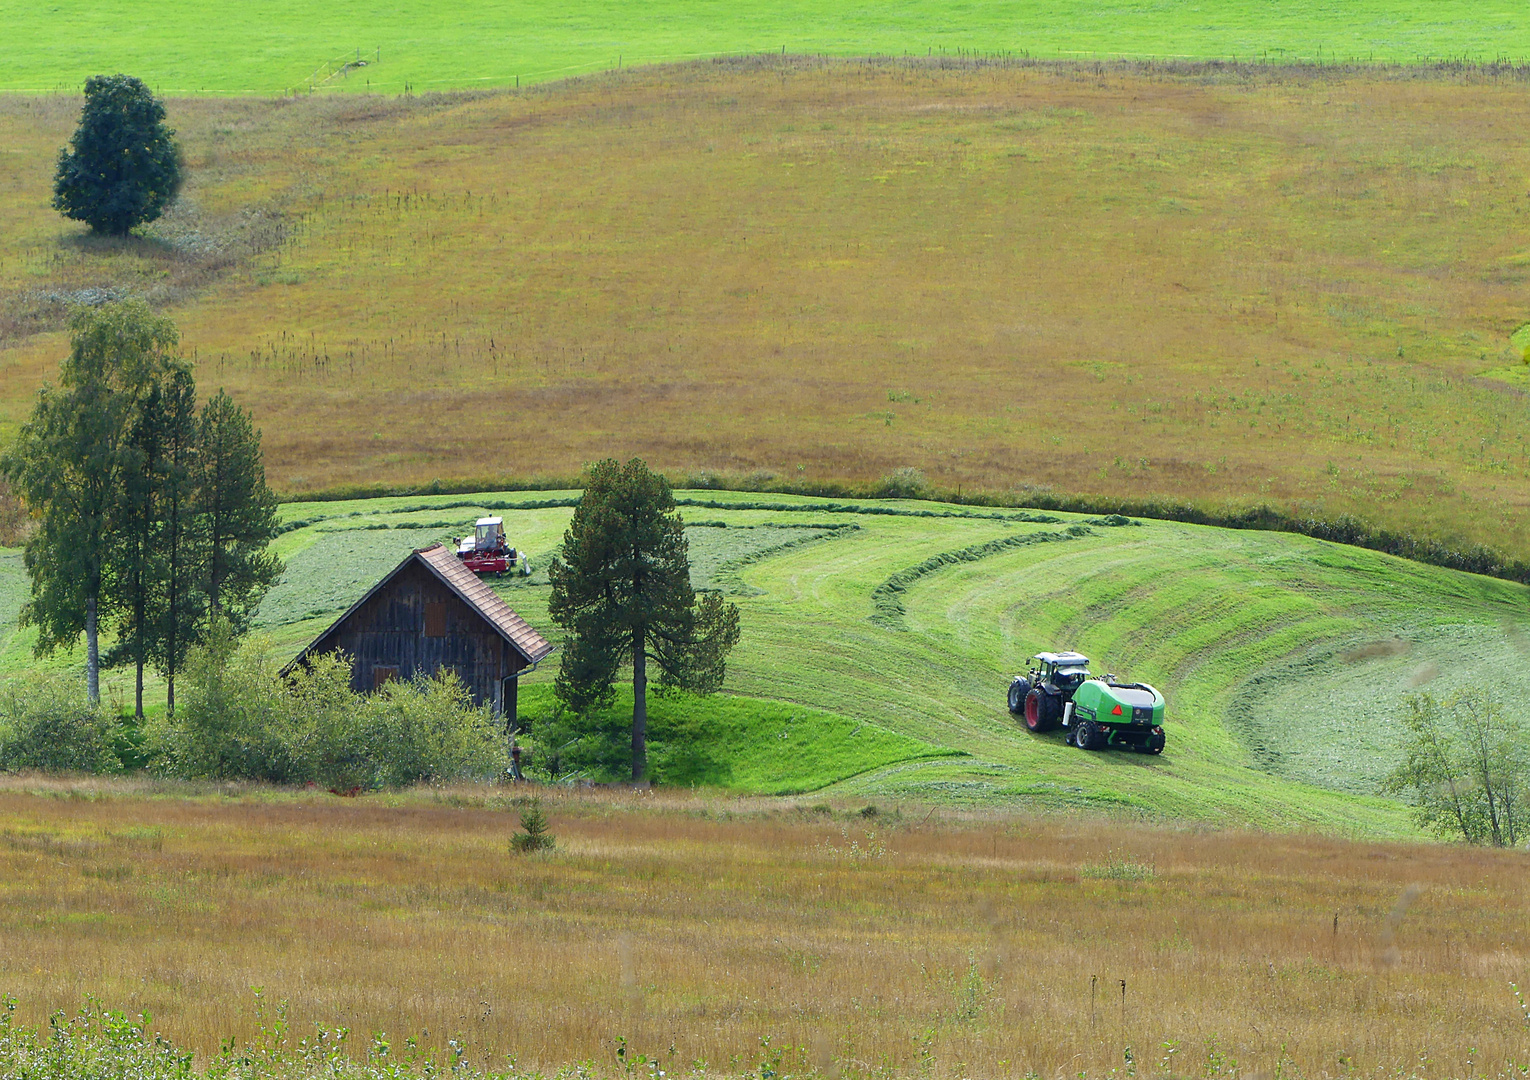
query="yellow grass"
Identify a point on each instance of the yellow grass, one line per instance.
(907, 942)
(1296, 287)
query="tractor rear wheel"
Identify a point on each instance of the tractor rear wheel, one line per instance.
(1088, 736)
(1038, 714)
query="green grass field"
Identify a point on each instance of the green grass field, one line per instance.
(183, 47)
(1284, 659)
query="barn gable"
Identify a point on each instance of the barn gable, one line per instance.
(431, 613)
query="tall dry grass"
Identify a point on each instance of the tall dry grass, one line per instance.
(1216, 284)
(929, 942)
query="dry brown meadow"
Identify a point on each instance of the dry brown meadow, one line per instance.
(909, 942)
(1221, 285)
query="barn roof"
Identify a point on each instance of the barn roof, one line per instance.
(444, 564)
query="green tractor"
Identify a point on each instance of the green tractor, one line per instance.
(1097, 713)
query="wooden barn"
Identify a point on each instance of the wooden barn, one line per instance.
(431, 613)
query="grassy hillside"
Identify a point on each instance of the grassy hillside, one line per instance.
(873, 664)
(1297, 288)
(286, 46)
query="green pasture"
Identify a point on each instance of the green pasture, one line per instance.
(286, 46)
(879, 637)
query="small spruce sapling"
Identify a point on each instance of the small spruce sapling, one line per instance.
(534, 835)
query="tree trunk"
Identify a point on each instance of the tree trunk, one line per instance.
(172, 604)
(92, 654)
(140, 617)
(639, 709)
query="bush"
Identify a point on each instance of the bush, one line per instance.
(241, 721)
(904, 483)
(429, 729)
(46, 723)
(230, 720)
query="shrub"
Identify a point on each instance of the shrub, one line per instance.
(322, 727)
(904, 483)
(429, 729)
(46, 723)
(229, 724)
(1467, 768)
(241, 721)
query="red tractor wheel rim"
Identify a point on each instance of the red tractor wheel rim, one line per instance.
(1033, 710)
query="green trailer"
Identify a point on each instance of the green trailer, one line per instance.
(1097, 713)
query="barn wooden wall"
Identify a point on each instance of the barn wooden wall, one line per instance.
(416, 625)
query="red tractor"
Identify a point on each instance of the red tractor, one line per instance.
(486, 552)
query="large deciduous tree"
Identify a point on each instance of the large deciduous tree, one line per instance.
(122, 166)
(69, 464)
(622, 592)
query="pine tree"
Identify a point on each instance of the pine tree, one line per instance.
(122, 166)
(132, 555)
(236, 513)
(622, 591)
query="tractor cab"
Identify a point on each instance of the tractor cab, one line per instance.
(1062, 672)
(486, 551)
(488, 535)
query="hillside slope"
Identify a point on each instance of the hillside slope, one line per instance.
(1284, 660)
(1218, 287)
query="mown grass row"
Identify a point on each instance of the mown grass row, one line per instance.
(1471, 558)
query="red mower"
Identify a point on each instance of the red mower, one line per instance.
(486, 552)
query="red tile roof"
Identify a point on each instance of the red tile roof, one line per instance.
(443, 562)
(477, 595)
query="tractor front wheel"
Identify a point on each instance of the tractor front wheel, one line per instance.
(1038, 717)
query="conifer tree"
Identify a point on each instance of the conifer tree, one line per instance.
(182, 605)
(236, 513)
(132, 556)
(533, 835)
(622, 591)
(122, 166)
